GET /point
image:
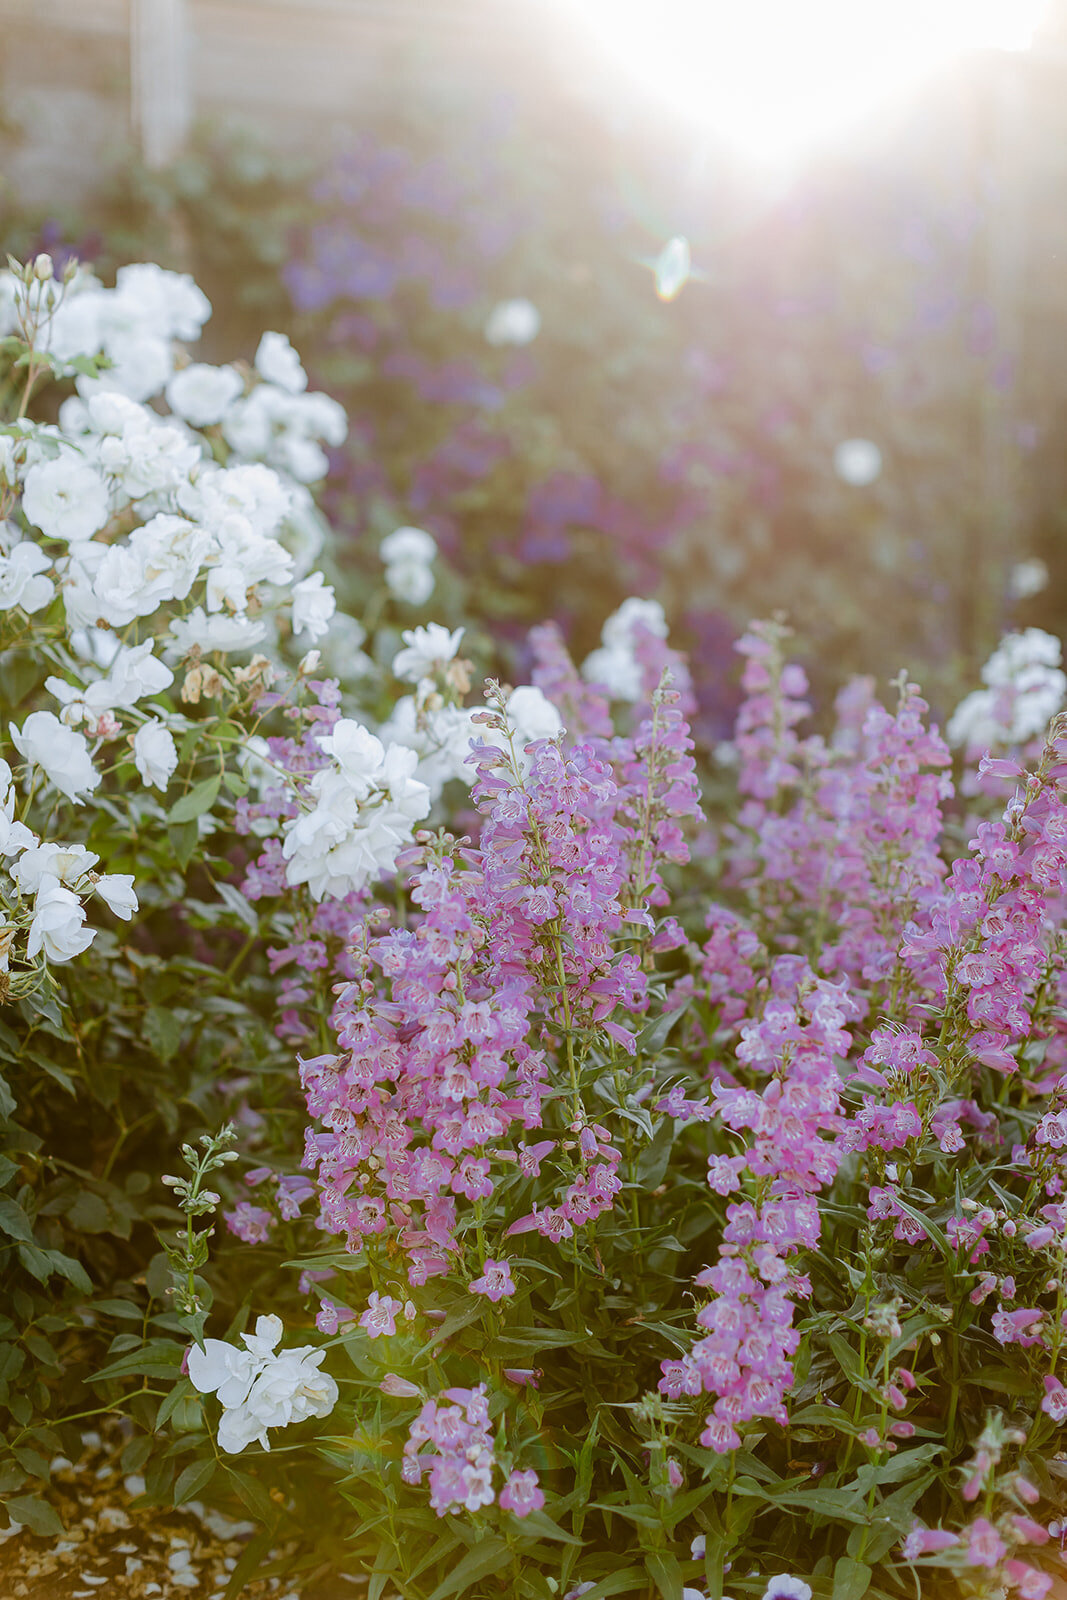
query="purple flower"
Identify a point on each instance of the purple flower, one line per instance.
(495, 1282)
(380, 1315)
(521, 1494)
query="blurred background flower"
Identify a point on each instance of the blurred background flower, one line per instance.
(738, 307)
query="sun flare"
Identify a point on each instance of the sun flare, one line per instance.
(778, 78)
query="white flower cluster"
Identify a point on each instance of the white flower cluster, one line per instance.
(409, 555)
(438, 729)
(43, 885)
(366, 804)
(151, 528)
(1025, 687)
(278, 422)
(261, 1387)
(615, 666)
(158, 553)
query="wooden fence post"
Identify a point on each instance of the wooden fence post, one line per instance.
(159, 78)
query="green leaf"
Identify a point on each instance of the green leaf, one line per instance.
(156, 1358)
(1002, 1380)
(256, 1498)
(656, 1159)
(163, 1032)
(249, 1563)
(666, 1574)
(65, 1266)
(37, 1515)
(847, 1358)
(852, 1579)
(119, 1308)
(192, 1480)
(486, 1557)
(90, 1213)
(653, 1037)
(199, 799)
(170, 1402)
(14, 1221)
(184, 841)
(237, 903)
(541, 1524)
(631, 1578)
(53, 1069)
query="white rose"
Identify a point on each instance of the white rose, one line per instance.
(252, 490)
(289, 1389)
(356, 751)
(441, 739)
(533, 715)
(203, 394)
(365, 809)
(154, 754)
(220, 1368)
(278, 363)
(141, 363)
(134, 673)
(62, 754)
(615, 669)
(21, 583)
(408, 544)
(313, 605)
(259, 1389)
(410, 581)
(66, 498)
(68, 863)
(513, 322)
(427, 651)
(169, 301)
(1018, 651)
(620, 627)
(58, 926)
(217, 632)
(116, 891)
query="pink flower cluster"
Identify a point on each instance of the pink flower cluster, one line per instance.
(454, 1028)
(744, 1359)
(459, 1459)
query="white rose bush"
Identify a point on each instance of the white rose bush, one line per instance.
(597, 1178)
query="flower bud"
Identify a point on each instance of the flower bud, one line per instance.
(42, 268)
(400, 1387)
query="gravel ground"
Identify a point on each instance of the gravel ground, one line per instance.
(110, 1549)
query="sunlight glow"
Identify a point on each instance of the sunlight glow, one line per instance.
(778, 78)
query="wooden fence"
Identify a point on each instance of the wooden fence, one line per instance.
(83, 79)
